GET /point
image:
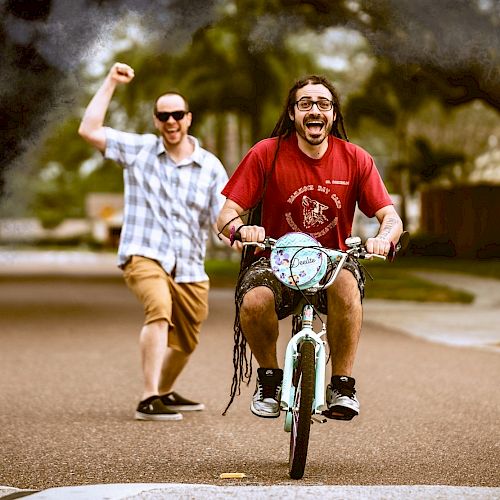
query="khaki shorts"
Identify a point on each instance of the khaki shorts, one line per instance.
(183, 305)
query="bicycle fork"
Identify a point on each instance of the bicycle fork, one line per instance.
(291, 359)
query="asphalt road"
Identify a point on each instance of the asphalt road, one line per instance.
(70, 379)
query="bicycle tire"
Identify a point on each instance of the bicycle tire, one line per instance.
(304, 381)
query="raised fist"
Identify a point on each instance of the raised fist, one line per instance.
(121, 73)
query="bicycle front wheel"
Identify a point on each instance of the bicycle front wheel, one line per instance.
(303, 380)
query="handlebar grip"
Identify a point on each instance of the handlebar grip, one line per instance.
(363, 254)
(375, 255)
(400, 246)
(392, 252)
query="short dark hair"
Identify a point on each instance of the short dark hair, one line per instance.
(186, 104)
(285, 126)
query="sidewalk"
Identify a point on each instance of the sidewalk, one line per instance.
(466, 325)
(58, 262)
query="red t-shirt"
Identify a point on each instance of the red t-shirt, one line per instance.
(317, 197)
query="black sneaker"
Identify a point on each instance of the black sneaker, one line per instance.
(266, 399)
(176, 402)
(153, 409)
(341, 398)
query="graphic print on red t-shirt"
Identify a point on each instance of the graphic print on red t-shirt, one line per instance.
(312, 211)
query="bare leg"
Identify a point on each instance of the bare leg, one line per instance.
(345, 316)
(153, 347)
(259, 323)
(173, 364)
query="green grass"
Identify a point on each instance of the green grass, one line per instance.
(393, 281)
(398, 276)
(486, 268)
(222, 273)
(399, 284)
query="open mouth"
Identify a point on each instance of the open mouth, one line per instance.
(315, 126)
(172, 131)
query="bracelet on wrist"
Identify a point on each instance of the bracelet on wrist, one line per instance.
(233, 231)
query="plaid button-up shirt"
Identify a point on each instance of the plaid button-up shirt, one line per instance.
(169, 207)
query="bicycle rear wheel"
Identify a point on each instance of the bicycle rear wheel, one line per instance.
(303, 380)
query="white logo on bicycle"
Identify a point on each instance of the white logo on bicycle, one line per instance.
(313, 212)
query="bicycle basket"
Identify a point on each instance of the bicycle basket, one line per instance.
(298, 261)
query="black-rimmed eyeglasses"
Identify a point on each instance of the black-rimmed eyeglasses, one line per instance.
(306, 104)
(163, 116)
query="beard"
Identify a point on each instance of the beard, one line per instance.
(313, 135)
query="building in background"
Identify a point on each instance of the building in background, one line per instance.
(105, 215)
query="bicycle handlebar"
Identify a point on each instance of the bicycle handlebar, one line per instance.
(336, 257)
(358, 252)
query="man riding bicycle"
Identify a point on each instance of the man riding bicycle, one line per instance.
(307, 177)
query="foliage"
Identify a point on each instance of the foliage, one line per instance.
(425, 245)
(401, 93)
(451, 46)
(200, 71)
(227, 68)
(428, 164)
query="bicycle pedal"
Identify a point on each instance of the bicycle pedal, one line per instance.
(318, 419)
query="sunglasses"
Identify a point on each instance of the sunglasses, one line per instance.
(163, 116)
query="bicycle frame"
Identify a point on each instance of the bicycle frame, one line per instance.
(337, 258)
(291, 358)
(307, 332)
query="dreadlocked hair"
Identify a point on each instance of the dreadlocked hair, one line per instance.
(285, 126)
(242, 364)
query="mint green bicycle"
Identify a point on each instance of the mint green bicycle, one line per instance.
(300, 262)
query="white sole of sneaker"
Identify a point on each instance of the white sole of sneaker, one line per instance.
(157, 418)
(197, 407)
(263, 415)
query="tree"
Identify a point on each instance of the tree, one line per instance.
(390, 99)
(424, 126)
(41, 43)
(197, 70)
(239, 62)
(453, 45)
(243, 64)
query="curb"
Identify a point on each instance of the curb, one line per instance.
(158, 491)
